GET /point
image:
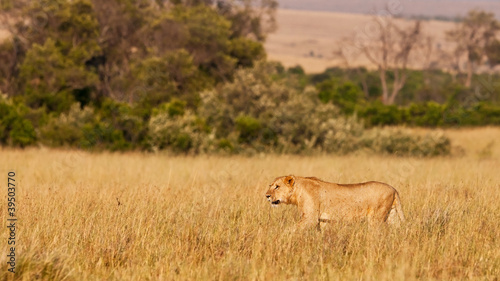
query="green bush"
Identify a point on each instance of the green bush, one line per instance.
(181, 133)
(15, 128)
(173, 75)
(429, 114)
(225, 145)
(102, 135)
(175, 107)
(485, 114)
(401, 143)
(8, 115)
(346, 96)
(268, 116)
(52, 79)
(246, 51)
(378, 114)
(22, 133)
(248, 128)
(67, 129)
(87, 129)
(124, 120)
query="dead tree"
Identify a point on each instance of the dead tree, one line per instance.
(472, 36)
(388, 47)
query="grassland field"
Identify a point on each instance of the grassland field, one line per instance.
(137, 216)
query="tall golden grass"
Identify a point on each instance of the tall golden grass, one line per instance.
(134, 216)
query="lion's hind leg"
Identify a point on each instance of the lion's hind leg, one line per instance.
(393, 217)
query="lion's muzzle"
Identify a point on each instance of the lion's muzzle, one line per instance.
(272, 201)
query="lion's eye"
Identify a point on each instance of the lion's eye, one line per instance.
(277, 187)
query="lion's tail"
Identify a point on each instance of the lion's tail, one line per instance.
(399, 209)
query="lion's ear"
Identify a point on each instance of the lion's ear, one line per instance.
(290, 180)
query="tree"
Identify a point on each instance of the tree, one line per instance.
(389, 47)
(345, 95)
(472, 36)
(53, 79)
(12, 51)
(9, 56)
(493, 53)
(135, 30)
(59, 37)
(87, 50)
(174, 75)
(250, 18)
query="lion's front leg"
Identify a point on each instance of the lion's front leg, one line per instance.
(309, 210)
(307, 221)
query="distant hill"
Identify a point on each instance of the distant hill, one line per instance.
(408, 8)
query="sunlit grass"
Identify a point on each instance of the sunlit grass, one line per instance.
(135, 216)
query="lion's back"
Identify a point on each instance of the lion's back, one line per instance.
(349, 200)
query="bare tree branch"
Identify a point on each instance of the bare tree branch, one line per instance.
(389, 48)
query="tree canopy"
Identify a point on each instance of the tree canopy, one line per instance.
(127, 50)
(191, 76)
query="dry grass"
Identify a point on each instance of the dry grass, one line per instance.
(308, 38)
(133, 216)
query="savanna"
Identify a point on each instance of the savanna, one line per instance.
(135, 216)
(141, 137)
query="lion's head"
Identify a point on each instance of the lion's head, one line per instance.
(280, 190)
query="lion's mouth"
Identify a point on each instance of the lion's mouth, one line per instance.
(276, 202)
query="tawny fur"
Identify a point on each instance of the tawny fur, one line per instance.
(320, 201)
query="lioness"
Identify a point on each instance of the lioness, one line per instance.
(319, 201)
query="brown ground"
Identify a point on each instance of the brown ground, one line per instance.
(308, 38)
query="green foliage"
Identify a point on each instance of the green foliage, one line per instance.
(297, 70)
(51, 79)
(344, 95)
(102, 135)
(225, 145)
(72, 24)
(68, 128)
(401, 143)
(22, 133)
(376, 114)
(181, 133)
(127, 127)
(246, 51)
(113, 128)
(191, 77)
(88, 50)
(248, 128)
(429, 114)
(159, 79)
(174, 108)
(15, 128)
(7, 115)
(257, 113)
(209, 39)
(59, 38)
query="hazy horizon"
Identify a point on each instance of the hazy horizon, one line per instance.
(426, 8)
